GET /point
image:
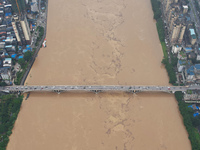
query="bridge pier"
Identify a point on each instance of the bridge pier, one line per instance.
(58, 91)
(134, 91)
(96, 91)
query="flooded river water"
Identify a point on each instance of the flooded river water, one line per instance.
(99, 42)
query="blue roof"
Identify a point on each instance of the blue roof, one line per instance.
(7, 14)
(197, 66)
(7, 46)
(20, 57)
(188, 48)
(8, 59)
(188, 18)
(13, 55)
(195, 114)
(181, 62)
(25, 50)
(190, 106)
(190, 71)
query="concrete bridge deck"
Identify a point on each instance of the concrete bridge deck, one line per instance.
(97, 88)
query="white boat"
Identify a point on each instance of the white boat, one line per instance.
(44, 43)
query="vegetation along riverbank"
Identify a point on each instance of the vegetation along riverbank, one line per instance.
(9, 109)
(189, 121)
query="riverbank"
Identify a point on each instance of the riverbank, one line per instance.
(42, 35)
(194, 136)
(96, 43)
(10, 107)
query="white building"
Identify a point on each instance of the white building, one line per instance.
(176, 49)
(7, 62)
(34, 6)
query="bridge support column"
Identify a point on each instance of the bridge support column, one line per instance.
(96, 91)
(57, 91)
(134, 91)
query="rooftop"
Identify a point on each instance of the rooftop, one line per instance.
(192, 33)
(197, 66)
(190, 71)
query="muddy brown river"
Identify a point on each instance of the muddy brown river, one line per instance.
(99, 42)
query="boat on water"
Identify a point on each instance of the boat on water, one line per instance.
(44, 43)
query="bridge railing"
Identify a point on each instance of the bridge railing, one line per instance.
(93, 88)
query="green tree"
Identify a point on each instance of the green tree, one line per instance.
(22, 62)
(28, 55)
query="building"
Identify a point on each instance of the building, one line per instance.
(188, 49)
(192, 36)
(198, 54)
(181, 64)
(182, 55)
(166, 4)
(185, 9)
(176, 49)
(5, 73)
(34, 6)
(21, 29)
(177, 33)
(193, 74)
(197, 72)
(7, 63)
(190, 74)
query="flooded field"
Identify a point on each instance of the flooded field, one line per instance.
(99, 42)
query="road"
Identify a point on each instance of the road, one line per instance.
(97, 88)
(195, 17)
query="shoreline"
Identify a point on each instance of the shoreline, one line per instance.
(36, 51)
(186, 116)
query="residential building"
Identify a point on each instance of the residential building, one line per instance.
(177, 33)
(190, 74)
(181, 64)
(34, 6)
(21, 29)
(192, 36)
(187, 49)
(176, 49)
(166, 4)
(193, 74)
(7, 63)
(5, 73)
(185, 9)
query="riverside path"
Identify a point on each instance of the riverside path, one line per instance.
(96, 88)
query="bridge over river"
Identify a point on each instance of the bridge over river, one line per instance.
(97, 88)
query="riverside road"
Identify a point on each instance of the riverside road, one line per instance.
(97, 88)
